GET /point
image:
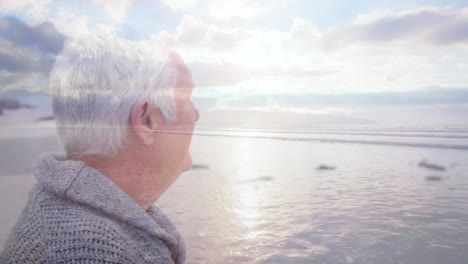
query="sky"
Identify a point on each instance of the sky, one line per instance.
(301, 56)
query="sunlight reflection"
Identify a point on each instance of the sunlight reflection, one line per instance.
(254, 234)
(249, 194)
(248, 210)
(246, 158)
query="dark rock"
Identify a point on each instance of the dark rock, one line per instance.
(199, 166)
(46, 118)
(431, 166)
(27, 106)
(264, 178)
(325, 167)
(9, 104)
(433, 178)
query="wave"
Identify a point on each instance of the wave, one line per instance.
(347, 133)
(345, 141)
(379, 135)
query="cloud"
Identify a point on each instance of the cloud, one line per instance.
(64, 17)
(178, 4)
(426, 25)
(305, 35)
(27, 53)
(227, 9)
(193, 32)
(432, 96)
(376, 31)
(17, 59)
(43, 37)
(244, 9)
(354, 57)
(226, 74)
(202, 41)
(116, 9)
(377, 51)
(431, 106)
(31, 81)
(69, 24)
(320, 103)
(35, 10)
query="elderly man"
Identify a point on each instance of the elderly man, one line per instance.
(125, 120)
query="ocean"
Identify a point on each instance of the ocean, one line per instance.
(310, 194)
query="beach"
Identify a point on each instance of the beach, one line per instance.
(325, 194)
(332, 132)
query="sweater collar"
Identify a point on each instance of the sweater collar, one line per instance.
(80, 183)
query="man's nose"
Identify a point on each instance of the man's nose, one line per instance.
(197, 114)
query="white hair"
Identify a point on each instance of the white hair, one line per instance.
(97, 80)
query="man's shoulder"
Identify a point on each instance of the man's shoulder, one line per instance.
(62, 218)
(55, 228)
(50, 209)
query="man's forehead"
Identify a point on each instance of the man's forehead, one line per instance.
(178, 62)
(185, 82)
(185, 76)
(175, 59)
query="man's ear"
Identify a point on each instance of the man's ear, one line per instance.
(143, 122)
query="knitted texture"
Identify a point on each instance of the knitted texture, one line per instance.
(75, 214)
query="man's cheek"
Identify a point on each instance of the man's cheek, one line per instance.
(187, 162)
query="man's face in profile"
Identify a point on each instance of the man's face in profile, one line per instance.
(174, 138)
(187, 113)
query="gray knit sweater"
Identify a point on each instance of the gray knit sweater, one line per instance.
(77, 215)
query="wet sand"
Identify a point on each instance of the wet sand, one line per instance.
(261, 200)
